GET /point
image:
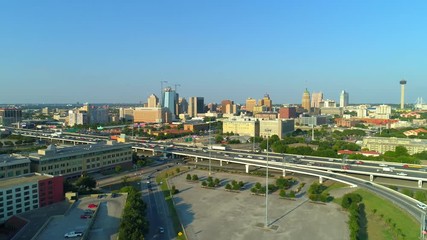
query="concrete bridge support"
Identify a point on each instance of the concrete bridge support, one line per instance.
(320, 180)
(420, 183)
(284, 172)
(197, 159)
(371, 178)
(247, 168)
(220, 163)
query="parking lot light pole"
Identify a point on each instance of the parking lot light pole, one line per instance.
(266, 183)
(210, 150)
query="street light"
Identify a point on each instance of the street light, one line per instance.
(210, 149)
(266, 183)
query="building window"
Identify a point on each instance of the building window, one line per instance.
(18, 200)
(26, 187)
(9, 191)
(18, 195)
(9, 202)
(9, 214)
(27, 209)
(34, 185)
(9, 208)
(9, 197)
(35, 201)
(35, 206)
(17, 189)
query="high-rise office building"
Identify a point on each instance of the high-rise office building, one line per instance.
(343, 99)
(306, 100)
(183, 105)
(226, 105)
(169, 98)
(316, 98)
(9, 116)
(196, 105)
(266, 101)
(250, 104)
(152, 101)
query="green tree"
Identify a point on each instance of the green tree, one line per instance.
(282, 193)
(228, 186)
(177, 170)
(195, 177)
(349, 199)
(118, 169)
(204, 183)
(188, 176)
(216, 182)
(86, 183)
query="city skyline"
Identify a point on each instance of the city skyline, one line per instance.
(104, 52)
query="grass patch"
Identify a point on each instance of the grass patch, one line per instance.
(333, 185)
(162, 177)
(385, 220)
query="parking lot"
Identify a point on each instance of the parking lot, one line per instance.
(218, 214)
(106, 222)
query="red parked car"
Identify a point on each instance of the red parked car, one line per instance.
(92, 205)
(405, 166)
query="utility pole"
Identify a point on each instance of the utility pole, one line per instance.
(266, 183)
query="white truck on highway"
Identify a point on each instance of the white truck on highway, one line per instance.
(386, 169)
(218, 147)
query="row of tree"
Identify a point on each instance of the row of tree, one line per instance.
(353, 203)
(134, 224)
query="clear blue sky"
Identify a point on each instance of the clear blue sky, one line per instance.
(119, 51)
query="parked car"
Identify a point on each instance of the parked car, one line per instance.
(359, 162)
(92, 205)
(405, 166)
(89, 211)
(73, 234)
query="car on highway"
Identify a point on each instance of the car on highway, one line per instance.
(249, 156)
(422, 206)
(73, 234)
(383, 165)
(359, 162)
(226, 155)
(240, 155)
(405, 166)
(330, 159)
(345, 167)
(402, 174)
(260, 158)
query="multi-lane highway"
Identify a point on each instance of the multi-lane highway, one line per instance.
(323, 167)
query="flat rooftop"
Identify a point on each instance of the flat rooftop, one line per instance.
(12, 159)
(23, 179)
(54, 151)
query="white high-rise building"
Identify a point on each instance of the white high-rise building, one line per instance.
(362, 111)
(343, 99)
